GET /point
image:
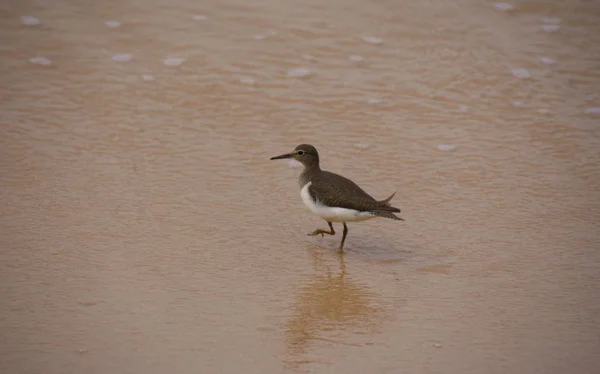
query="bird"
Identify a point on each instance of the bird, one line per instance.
(333, 197)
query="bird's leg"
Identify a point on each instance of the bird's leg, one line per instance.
(319, 231)
(341, 249)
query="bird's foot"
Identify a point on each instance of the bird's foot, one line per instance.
(319, 231)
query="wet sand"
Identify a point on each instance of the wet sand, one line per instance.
(145, 230)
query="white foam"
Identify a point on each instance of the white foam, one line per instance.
(373, 100)
(113, 24)
(40, 61)
(505, 7)
(517, 103)
(547, 60)
(521, 73)
(247, 80)
(593, 110)
(463, 108)
(122, 57)
(198, 17)
(362, 145)
(550, 28)
(543, 111)
(446, 147)
(264, 36)
(30, 21)
(173, 61)
(298, 72)
(357, 58)
(147, 77)
(372, 40)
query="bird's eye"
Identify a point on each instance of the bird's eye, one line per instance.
(300, 153)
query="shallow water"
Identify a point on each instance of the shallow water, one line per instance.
(144, 228)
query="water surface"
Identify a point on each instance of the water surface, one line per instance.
(144, 229)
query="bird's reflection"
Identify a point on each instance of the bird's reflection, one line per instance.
(331, 302)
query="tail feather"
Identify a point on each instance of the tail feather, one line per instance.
(387, 201)
(384, 205)
(389, 215)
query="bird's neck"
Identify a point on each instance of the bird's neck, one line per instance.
(308, 173)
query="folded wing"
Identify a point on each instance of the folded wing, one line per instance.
(336, 191)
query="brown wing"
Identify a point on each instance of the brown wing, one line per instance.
(334, 190)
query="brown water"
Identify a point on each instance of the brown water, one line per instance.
(144, 229)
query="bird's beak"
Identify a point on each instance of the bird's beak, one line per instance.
(287, 155)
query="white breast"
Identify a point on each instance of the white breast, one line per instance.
(332, 214)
